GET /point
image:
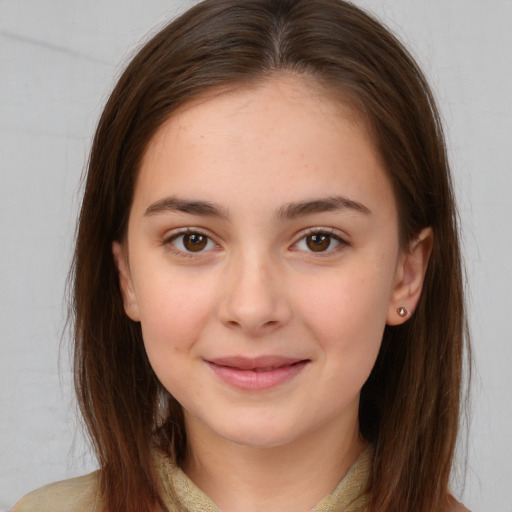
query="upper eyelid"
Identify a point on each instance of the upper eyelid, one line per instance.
(335, 233)
(332, 232)
(174, 233)
(168, 240)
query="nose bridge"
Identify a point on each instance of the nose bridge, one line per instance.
(254, 297)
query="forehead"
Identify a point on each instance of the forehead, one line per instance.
(267, 141)
(304, 93)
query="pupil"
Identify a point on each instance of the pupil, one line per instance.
(318, 243)
(194, 242)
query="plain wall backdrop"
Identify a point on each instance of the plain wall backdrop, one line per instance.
(58, 62)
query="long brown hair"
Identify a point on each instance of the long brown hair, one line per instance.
(409, 407)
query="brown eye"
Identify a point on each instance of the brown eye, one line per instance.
(194, 242)
(319, 242)
(191, 242)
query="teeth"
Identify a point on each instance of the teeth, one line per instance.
(269, 369)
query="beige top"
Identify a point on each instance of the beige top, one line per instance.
(81, 494)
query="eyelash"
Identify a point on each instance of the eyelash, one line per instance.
(327, 232)
(168, 242)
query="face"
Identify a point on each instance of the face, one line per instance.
(262, 261)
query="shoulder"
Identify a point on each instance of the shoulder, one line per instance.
(457, 507)
(73, 495)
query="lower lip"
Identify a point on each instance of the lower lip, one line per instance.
(257, 381)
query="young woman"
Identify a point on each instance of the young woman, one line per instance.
(267, 283)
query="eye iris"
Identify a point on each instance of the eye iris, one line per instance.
(194, 242)
(318, 243)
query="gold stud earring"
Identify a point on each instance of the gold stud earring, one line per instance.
(402, 311)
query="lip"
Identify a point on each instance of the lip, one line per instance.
(258, 373)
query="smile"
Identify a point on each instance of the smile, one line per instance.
(256, 374)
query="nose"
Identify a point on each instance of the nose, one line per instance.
(254, 298)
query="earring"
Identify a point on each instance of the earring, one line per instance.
(402, 311)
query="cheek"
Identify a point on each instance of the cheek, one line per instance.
(173, 311)
(347, 316)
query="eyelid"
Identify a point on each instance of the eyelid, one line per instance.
(174, 234)
(332, 232)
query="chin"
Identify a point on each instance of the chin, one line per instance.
(259, 436)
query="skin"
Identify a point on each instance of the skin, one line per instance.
(259, 286)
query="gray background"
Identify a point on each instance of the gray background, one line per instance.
(58, 61)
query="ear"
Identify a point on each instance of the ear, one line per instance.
(125, 282)
(409, 276)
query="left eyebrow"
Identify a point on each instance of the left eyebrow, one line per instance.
(328, 204)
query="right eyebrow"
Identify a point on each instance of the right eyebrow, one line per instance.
(175, 204)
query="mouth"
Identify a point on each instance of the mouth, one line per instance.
(256, 373)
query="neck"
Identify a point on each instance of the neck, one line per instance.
(292, 477)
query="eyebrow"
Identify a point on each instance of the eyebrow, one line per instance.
(175, 204)
(329, 204)
(288, 211)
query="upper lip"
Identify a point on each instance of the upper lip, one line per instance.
(254, 363)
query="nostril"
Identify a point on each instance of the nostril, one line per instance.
(253, 309)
